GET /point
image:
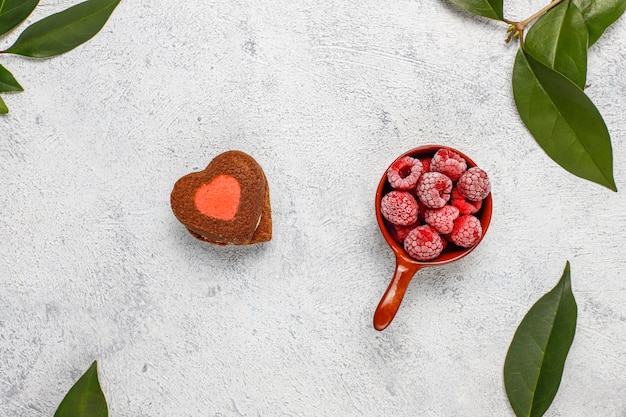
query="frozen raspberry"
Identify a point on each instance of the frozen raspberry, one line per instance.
(442, 219)
(465, 206)
(423, 243)
(399, 207)
(474, 184)
(399, 233)
(404, 173)
(433, 189)
(426, 164)
(449, 163)
(467, 231)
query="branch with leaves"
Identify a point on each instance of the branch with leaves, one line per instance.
(51, 36)
(549, 78)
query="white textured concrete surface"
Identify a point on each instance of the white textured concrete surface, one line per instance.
(324, 94)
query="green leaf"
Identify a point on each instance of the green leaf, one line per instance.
(85, 398)
(3, 107)
(536, 357)
(8, 83)
(559, 40)
(599, 15)
(491, 9)
(563, 121)
(14, 12)
(65, 30)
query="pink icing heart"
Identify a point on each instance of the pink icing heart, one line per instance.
(219, 198)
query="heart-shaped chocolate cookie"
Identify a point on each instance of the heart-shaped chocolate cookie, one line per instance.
(228, 203)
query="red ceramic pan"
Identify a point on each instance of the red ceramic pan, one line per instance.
(406, 267)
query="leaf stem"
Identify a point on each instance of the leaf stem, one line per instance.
(516, 29)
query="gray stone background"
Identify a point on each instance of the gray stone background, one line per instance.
(324, 94)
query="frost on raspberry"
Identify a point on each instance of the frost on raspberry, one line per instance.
(433, 189)
(474, 184)
(448, 163)
(423, 243)
(467, 231)
(442, 219)
(399, 208)
(464, 205)
(404, 173)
